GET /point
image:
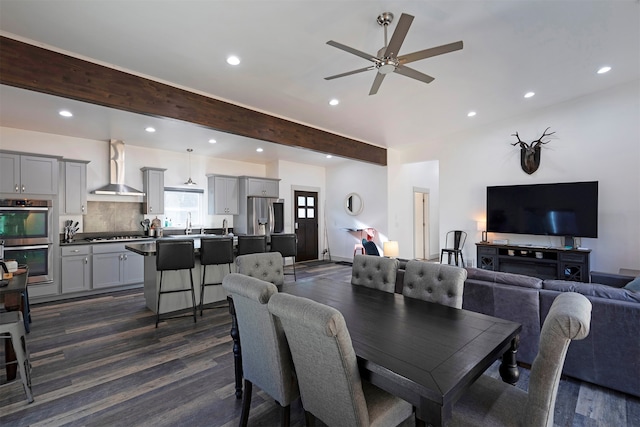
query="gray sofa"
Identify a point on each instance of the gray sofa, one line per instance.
(609, 356)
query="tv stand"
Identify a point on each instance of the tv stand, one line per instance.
(545, 263)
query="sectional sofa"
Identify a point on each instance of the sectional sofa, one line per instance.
(608, 357)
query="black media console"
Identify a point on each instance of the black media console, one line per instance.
(542, 262)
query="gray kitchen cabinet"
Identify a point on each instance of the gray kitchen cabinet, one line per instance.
(113, 265)
(27, 174)
(262, 187)
(74, 187)
(153, 187)
(75, 271)
(223, 194)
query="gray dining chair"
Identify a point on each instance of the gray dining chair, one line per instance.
(265, 266)
(331, 388)
(491, 402)
(430, 281)
(374, 272)
(266, 360)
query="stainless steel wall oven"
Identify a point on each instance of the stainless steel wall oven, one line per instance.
(26, 228)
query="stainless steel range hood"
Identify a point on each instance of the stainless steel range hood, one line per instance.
(116, 171)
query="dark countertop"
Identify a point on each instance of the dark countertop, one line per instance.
(147, 248)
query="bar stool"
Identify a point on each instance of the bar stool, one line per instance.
(173, 255)
(214, 251)
(252, 244)
(287, 245)
(12, 328)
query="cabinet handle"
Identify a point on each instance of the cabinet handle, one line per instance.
(17, 189)
(82, 208)
(86, 260)
(23, 189)
(76, 250)
(150, 209)
(124, 257)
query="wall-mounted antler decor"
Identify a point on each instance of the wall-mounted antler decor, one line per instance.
(530, 153)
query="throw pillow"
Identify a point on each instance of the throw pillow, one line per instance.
(633, 285)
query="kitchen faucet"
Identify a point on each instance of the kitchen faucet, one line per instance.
(188, 229)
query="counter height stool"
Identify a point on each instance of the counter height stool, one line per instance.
(252, 244)
(12, 328)
(287, 245)
(173, 255)
(214, 251)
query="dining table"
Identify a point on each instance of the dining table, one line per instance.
(426, 353)
(13, 297)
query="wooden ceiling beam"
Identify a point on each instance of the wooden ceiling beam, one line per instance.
(34, 68)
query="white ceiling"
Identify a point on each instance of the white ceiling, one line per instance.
(553, 48)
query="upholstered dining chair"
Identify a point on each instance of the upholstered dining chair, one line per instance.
(491, 402)
(429, 281)
(331, 388)
(454, 242)
(265, 266)
(374, 272)
(266, 360)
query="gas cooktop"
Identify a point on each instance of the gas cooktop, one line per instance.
(114, 238)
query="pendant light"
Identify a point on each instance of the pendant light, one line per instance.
(190, 181)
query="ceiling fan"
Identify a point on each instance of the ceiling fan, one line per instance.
(387, 59)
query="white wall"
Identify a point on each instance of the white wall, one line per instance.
(370, 182)
(597, 138)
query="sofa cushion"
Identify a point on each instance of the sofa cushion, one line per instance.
(504, 278)
(633, 285)
(592, 289)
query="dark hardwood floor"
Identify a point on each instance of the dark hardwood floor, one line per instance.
(100, 361)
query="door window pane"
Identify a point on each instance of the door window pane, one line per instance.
(301, 200)
(310, 213)
(309, 201)
(301, 213)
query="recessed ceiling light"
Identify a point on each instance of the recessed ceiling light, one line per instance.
(259, 150)
(212, 141)
(150, 129)
(334, 102)
(471, 113)
(329, 156)
(529, 94)
(233, 60)
(604, 70)
(65, 113)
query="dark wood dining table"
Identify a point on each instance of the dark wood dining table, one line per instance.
(12, 296)
(425, 353)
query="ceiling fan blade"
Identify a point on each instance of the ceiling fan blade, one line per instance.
(353, 51)
(428, 53)
(348, 73)
(376, 83)
(410, 72)
(398, 35)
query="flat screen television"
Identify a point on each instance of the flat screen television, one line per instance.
(562, 209)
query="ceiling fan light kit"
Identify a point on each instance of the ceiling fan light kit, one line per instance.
(387, 60)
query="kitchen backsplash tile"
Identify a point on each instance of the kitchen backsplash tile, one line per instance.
(113, 216)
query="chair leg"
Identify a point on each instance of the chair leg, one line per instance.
(295, 278)
(461, 259)
(285, 415)
(193, 297)
(19, 347)
(159, 294)
(204, 275)
(441, 256)
(246, 403)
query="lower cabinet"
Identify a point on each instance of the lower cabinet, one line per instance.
(113, 265)
(75, 272)
(105, 265)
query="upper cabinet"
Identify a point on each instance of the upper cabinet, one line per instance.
(153, 182)
(223, 194)
(262, 187)
(27, 174)
(74, 187)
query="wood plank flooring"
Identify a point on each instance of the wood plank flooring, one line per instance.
(100, 361)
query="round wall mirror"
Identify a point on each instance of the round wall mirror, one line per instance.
(353, 204)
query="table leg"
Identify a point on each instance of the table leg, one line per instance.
(509, 368)
(237, 351)
(432, 414)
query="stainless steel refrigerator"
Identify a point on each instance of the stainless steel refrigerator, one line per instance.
(261, 215)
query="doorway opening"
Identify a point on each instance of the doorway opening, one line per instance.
(421, 249)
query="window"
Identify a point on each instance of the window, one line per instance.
(179, 202)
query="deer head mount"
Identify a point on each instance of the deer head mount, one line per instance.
(530, 153)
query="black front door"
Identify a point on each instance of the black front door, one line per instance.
(306, 224)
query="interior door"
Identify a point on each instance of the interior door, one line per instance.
(306, 224)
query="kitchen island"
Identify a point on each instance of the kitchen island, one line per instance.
(178, 279)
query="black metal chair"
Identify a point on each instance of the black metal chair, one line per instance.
(214, 251)
(287, 245)
(173, 255)
(252, 244)
(457, 239)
